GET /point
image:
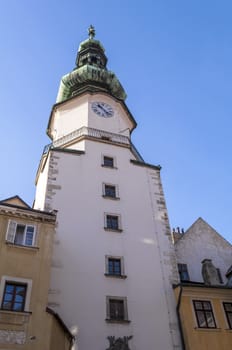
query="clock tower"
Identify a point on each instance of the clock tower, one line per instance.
(113, 261)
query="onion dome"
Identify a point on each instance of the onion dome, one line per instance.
(90, 73)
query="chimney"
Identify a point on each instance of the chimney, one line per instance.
(209, 272)
(177, 234)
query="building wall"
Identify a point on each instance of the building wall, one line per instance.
(78, 284)
(205, 338)
(199, 242)
(31, 327)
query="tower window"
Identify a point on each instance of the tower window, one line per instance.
(116, 309)
(108, 162)
(114, 266)
(112, 222)
(204, 314)
(110, 191)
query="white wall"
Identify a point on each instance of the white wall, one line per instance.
(201, 242)
(79, 287)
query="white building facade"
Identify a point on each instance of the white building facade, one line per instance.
(113, 262)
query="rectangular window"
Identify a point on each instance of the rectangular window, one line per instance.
(108, 161)
(204, 314)
(228, 312)
(114, 266)
(116, 309)
(112, 222)
(110, 191)
(20, 234)
(14, 296)
(183, 272)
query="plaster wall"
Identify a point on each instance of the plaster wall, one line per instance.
(78, 284)
(200, 242)
(30, 265)
(76, 113)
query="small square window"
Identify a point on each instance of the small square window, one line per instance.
(110, 191)
(108, 161)
(228, 312)
(116, 309)
(114, 266)
(204, 314)
(14, 296)
(183, 272)
(112, 222)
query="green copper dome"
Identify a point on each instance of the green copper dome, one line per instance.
(90, 73)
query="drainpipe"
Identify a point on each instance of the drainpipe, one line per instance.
(179, 319)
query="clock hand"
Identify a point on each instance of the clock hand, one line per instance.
(103, 109)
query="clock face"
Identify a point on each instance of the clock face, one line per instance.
(102, 109)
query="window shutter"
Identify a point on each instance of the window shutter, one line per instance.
(10, 235)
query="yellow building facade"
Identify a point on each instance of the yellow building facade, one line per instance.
(205, 316)
(26, 237)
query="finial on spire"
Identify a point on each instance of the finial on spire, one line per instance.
(91, 31)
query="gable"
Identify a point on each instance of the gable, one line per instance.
(202, 231)
(15, 200)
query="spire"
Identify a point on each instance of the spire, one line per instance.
(91, 32)
(90, 73)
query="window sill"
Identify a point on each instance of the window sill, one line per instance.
(115, 276)
(16, 318)
(112, 229)
(109, 320)
(27, 247)
(12, 312)
(108, 167)
(110, 197)
(207, 329)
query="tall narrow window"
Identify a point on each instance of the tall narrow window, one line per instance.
(114, 266)
(14, 296)
(183, 272)
(204, 314)
(228, 312)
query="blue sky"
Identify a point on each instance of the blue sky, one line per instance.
(173, 59)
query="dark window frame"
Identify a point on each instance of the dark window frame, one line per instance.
(183, 272)
(114, 266)
(108, 162)
(203, 311)
(112, 222)
(13, 301)
(228, 313)
(110, 191)
(116, 309)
